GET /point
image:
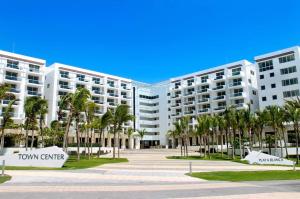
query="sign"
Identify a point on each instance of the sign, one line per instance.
(45, 157)
(257, 157)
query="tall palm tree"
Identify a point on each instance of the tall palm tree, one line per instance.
(90, 108)
(31, 107)
(129, 133)
(184, 123)
(6, 122)
(293, 115)
(178, 131)
(141, 135)
(274, 120)
(119, 116)
(75, 104)
(260, 121)
(42, 110)
(221, 127)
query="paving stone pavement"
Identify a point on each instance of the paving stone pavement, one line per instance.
(148, 174)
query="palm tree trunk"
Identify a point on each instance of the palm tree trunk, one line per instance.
(200, 146)
(297, 143)
(100, 142)
(78, 141)
(207, 137)
(41, 131)
(65, 142)
(2, 141)
(181, 152)
(260, 139)
(213, 142)
(26, 138)
(114, 150)
(118, 144)
(232, 142)
(32, 138)
(240, 143)
(221, 143)
(227, 141)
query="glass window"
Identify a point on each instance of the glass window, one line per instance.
(287, 58)
(264, 66)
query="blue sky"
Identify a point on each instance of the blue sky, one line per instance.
(150, 40)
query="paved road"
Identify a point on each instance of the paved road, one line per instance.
(148, 174)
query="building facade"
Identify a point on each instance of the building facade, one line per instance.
(270, 80)
(26, 77)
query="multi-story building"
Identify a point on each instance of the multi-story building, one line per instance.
(25, 75)
(271, 80)
(278, 74)
(107, 90)
(211, 91)
(151, 112)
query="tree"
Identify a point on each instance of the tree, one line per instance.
(90, 108)
(32, 109)
(221, 127)
(119, 116)
(42, 110)
(6, 122)
(142, 134)
(293, 115)
(75, 104)
(101, 123)
(260, 120)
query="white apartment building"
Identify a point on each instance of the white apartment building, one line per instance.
(271, 80)
(278, 74)
(211, 91)
(151, 112)
(26, 77)
(107, 90)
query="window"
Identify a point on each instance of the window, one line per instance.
(33, 79)
(249, 80)
(251, 101)
(96, 80)
(64, 74)
(34, 68)
(32, 91)
(236, 71)
(287, 58)
(271, 74)
(13, 64)
(263, 87)
(80, 77)
(264, 99)
(204, 79)
(261, 77)
(288, 82)
(11, 75)
(292, 93)
(64, 85)
(288, 70)
(253, 92)
(264, 66)
(274, 97)
(273, 85)
(251, 72)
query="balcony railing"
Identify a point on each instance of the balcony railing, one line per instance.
(236, 94)
(219, 97)
(189, 112)
(98, 92)
(113, 94)
(33, 93)
(220, 108)
(235, 84)
(35, 70)
(219, 87)
(14, 66)
(14, 78)
(203, 100)
(14, 90)
(236, 73)
(203, 90)
(219, 77)
(65, 87)
(65, 76)
(189, 103)
(33, 81)
(205, 110)
(98, 101)
(189, 93)
(174, 105)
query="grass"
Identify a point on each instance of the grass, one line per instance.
(4, 178)
(72, 163)
(237, 176)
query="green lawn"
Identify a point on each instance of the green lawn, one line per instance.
(4, 178)
(236, 176)
(72, 163)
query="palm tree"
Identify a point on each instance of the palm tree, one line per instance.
(221, 127)
(31, 108)
(141, 135)
(90, 108)
(101, 123)
(6, 122)
(184, 123)
(173, 134)
(42, 110)
(129, 133)
(260, 120)
(119, 116)
(293, 115)
(274, 120)
(75, 103)
(178, 131)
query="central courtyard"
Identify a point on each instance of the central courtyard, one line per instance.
(148, 174)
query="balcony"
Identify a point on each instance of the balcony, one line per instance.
(64, 76)
(112, 104)
(203, 90)
(203, 100)
(34, 70)
(13, 78)
(98, 92)
(176, 96)
(176, 87)
(15, 90)
(236, 74)
(190, 112)
(204, 110)
(191, 84)
(126, 97)
(189, 93)
(221, 97)
(113, 95)
(98, 101)
(174, 105)
(219, 87)
(33, 81)
(220, 108)
(61, 86)
(13, 66)
(237, 95)
(241, 105)
(236, 84)
(189, 103)
(221, 77)
(34, 93)
(5, 102)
